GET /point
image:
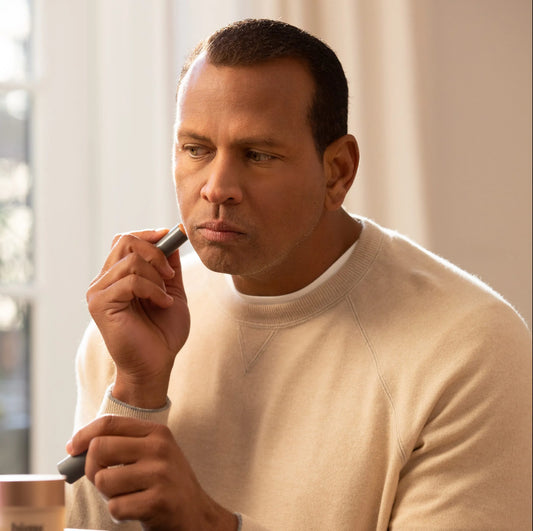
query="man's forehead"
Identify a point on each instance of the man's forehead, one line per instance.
(284, 69)
(268, 100)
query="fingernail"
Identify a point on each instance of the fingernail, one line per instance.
(169, 271)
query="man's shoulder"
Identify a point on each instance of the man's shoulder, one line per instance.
(426, 289)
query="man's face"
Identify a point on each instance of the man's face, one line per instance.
(249, 180)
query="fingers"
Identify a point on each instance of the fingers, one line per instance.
(110, 425)
(118, 480)
(131, 277)
(140, 243)
(147, 507)
(135, 268)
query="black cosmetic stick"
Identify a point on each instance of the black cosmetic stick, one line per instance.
(173, 239)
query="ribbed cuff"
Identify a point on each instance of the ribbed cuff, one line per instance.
(112, 406)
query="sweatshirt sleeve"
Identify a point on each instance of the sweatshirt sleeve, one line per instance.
(95, 372)
(470, 465)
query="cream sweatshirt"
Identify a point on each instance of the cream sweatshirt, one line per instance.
(395, 394)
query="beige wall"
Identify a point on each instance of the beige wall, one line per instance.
(474, 66)
(441, 105)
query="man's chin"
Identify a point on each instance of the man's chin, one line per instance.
(219, 262)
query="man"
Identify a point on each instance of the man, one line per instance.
(321, 372)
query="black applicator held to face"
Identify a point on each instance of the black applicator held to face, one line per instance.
(173, 239)
(73, 466)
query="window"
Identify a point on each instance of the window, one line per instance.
(98, 86)
(16, 233)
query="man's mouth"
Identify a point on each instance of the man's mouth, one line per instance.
(219, 231)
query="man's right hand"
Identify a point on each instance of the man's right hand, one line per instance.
(139, 304)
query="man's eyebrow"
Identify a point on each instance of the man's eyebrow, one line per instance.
(191, 134)
(253, 140)
(258, 141)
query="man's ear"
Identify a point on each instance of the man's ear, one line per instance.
(341, 159)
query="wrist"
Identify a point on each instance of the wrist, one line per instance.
(150, 393)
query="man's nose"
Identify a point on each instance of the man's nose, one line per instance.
(222, 184)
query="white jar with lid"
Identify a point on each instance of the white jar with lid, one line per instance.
(32, 502)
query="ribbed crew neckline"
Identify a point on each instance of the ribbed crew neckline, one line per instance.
(310, 303)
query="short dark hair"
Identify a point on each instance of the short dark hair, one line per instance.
(254, 41)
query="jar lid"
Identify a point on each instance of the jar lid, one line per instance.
(32, 490)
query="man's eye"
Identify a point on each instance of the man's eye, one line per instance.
(195, 151)
(257, 156)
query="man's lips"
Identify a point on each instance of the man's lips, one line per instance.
(219, 231)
